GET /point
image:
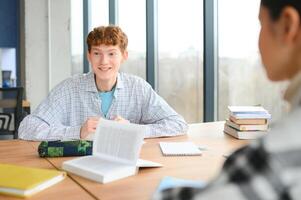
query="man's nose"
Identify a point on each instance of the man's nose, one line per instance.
(103, 59)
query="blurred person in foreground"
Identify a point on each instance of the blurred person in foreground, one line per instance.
(268, 168)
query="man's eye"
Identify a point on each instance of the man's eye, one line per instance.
(96, 53)
(112, 54)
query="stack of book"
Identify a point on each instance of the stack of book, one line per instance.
(247, 122)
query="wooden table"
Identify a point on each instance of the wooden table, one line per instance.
(142, 185)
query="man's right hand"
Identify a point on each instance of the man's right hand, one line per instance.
(89, 127)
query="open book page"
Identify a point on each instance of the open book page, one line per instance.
(119, 141)
(98, 165)
(116, 147)
(147, 163)
(99, 169)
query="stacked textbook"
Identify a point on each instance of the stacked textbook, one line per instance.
(247, 122)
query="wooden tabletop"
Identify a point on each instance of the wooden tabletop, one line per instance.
(23, 153)
(144, 184)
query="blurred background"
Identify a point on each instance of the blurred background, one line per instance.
(200, 56)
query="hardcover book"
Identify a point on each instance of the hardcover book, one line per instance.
(116, 147)
(247, 127)
(249, 112)
(26, 181)
(248, 121)
(244, 135)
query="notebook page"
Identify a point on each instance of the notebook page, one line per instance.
(179, 148)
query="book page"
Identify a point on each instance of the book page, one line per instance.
(147, 163)
(97, 164)
(119, 141)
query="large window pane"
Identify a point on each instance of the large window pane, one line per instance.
(180, 43)
(77, 36)
(99, 13)
(242, 79)
(133, 24)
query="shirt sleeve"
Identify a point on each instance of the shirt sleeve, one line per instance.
(48, 121)
(36, 129)
(160, 118)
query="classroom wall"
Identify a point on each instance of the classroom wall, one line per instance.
(8, 20)
(47, 46)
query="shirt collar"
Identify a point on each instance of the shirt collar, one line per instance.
(293, 92)
(89, 83)
(119, 84)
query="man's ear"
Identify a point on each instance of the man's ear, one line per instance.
(289, 22)
(125, 55)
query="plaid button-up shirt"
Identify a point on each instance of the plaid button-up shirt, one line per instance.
(69, 105)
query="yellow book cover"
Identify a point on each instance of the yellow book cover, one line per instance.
(25, 181)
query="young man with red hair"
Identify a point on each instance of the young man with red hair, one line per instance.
(73, 109)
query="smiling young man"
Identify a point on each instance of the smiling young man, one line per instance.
(73, 108)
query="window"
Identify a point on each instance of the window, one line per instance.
(180, 53)
(242, 79)
(8, 67)
(99, 13)
(133, 24)
(77, 37)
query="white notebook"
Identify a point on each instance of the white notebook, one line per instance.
(179, 149)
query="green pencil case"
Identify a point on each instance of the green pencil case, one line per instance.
(65, 148)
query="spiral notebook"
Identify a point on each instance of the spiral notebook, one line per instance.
(179, 149)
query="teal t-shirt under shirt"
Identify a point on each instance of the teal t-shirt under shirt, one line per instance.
(106, 100)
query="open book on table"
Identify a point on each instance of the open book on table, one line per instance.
(116, 147)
